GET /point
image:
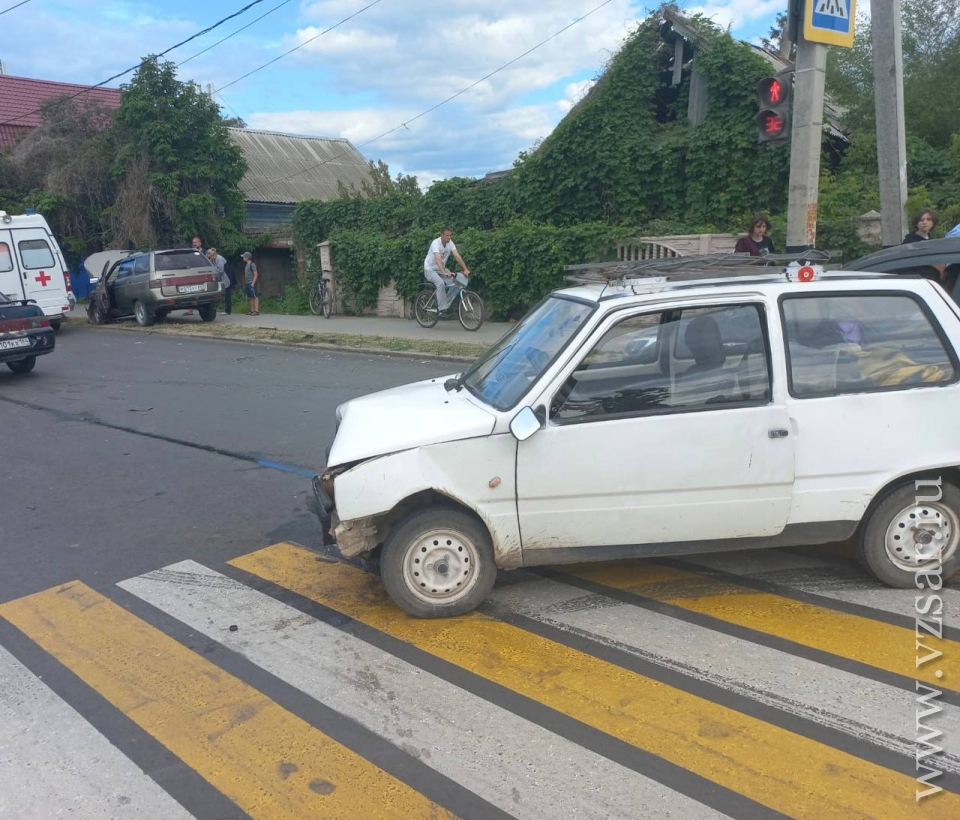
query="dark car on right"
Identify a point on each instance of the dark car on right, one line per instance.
(925, 259)
(151, 284)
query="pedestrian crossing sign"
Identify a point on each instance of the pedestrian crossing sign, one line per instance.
(830, 21)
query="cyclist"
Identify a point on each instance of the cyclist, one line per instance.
(435, 268)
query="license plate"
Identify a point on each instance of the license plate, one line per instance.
(7, 344)
(191, 288)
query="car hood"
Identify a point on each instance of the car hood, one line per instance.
(414, 415)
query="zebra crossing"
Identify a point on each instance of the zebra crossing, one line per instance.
(284, 685)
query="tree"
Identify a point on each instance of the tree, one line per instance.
(177, 169)
(380, 184)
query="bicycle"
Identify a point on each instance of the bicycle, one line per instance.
(469, 307)
(321, 301)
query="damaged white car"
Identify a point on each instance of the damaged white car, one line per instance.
(660, 417)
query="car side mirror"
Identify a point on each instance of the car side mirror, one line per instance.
(524, 424)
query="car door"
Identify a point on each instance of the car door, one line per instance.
(42, 271)
(119, 287)
(11, 282)
(677, 442)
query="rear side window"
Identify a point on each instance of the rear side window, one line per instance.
(35, 254)
(181, 260)
(856, 343)
(6, 260)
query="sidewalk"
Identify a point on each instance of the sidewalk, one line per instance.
(449, 331)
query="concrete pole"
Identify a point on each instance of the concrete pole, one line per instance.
(808, 88)
(891, 134)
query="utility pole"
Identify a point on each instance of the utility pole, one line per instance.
(891, 136)
(809, 83)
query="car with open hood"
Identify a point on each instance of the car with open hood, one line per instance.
(664, 415)
(149, 285)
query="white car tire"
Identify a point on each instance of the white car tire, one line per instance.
(438, 563)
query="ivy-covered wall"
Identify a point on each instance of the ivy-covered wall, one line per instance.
(624, 162)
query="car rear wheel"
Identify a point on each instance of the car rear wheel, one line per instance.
(207, 312)
(56, 326)
(437, 563)
(905, 534)
(24, 365)
(143, 314)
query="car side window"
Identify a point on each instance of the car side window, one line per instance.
(125, 268)
(671, 361)
(142, 264)
(6, 260)
(855, 343)
(36, 254)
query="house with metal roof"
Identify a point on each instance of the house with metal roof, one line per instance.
(286, 169)
(21, 98)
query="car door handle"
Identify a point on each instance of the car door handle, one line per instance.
(778, 432)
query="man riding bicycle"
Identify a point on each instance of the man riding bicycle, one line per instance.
(435, 268)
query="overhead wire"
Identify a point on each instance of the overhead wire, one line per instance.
(234, 34)
(88, 89)
(16, 6)
(438, 105)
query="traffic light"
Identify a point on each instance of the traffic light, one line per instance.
(773, 120)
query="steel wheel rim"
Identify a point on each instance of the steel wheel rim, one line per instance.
(441, 567)
(141, 313)
(921, 536)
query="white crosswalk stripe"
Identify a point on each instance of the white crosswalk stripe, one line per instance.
(53, 763)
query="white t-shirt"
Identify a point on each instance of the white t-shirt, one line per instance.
(437, 246)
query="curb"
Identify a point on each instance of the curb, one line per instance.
(375, 351)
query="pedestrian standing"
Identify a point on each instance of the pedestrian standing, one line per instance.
(435, 268)
(757, 242)
(926, 222)
(197, 244)
(221, 265)
(251, 276)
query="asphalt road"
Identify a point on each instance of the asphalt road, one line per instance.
(105, 468)
(164, 654)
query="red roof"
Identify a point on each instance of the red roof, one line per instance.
(20, 98)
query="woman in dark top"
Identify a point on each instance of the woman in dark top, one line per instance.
(756, 242)
(926, 222)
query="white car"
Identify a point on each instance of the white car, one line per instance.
(768, 412)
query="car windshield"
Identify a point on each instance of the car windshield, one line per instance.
(178, 260)
(505, 372)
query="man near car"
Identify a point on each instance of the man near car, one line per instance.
(221, 265)
(251, 275)
(435, 267)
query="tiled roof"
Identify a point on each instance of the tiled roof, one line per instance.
(20, 98)
(288, 168)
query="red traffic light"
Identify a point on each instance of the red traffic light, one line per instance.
(773, 92)
(771, 123)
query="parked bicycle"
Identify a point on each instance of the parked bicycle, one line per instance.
(321, 300)
(468, 304)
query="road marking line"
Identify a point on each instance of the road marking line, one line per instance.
(267, 760)
(775, 767)
(54, 763)
(459, 734)
(865, 640)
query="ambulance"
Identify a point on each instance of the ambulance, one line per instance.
(32, 266)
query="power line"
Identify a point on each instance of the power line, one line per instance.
(88, 89)
(234, 110)
(257, 20)
(305, 42)
(14, 7)
(438, 105)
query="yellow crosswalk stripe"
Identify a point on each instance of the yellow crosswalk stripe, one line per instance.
(875, 643)
(780, 769)
(268, 761)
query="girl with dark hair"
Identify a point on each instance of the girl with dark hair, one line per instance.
(926, 222)
(756, 242)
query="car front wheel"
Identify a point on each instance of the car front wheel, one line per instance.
(907, 533)
(437, 563)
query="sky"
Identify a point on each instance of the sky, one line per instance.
(379, 70)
